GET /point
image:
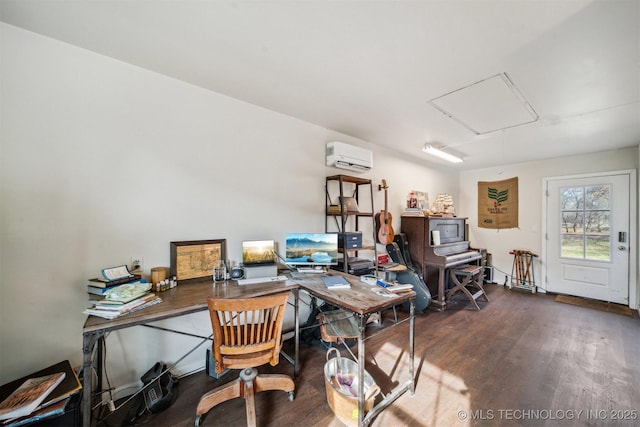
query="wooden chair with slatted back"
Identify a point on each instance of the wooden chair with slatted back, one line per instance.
(247, 333)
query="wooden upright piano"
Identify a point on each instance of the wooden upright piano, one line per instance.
(454, 249)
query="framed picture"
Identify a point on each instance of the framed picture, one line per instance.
(423, 199)
(193, 260)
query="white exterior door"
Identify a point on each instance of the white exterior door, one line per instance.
(587, 236)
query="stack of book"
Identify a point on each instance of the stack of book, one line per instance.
(118, 292)
(113, 276)
(110, 308)
(109, 279)
(413, 212)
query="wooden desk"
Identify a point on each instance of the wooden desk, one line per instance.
(362, 300)
(179, 301)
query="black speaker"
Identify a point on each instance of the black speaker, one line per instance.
(488, 274)
(237, 273)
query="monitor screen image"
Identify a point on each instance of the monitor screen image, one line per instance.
(311, 249)
(257, 252)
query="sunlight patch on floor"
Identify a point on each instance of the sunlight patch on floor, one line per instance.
(444, 397)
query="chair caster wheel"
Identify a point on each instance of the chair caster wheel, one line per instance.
(291, 394)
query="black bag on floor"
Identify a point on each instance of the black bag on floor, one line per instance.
(160, 388)
(161, 392)
(310, 332)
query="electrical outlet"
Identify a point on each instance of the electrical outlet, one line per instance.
(136, 263)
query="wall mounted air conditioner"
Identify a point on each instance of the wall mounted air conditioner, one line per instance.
(345, 156)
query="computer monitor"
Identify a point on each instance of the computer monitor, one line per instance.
(311, 249)
(258, 252)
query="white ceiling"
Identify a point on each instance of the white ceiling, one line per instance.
(369, 68)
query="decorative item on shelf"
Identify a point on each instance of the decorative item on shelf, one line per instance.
(412, 200)
(443, 206)
(417, 204)
(349, 204)
(423, 200)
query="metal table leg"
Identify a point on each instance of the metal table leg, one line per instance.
(361, 328)
(89, 341)
(408, 385)
(296, 363)
(412, 322)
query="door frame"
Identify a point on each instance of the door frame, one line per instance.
(633, 228)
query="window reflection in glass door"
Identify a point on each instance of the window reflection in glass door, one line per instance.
(585, 229)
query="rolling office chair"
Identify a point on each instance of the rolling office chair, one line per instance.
(247, 332)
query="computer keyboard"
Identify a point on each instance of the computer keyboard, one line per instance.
(312, 270)
(261, 280)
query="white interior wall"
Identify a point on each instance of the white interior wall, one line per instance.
(530, 181)
(102, 161)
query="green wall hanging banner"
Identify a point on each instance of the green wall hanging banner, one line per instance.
(498, 204)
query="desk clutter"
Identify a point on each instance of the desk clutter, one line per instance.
(360, 303)
(118, 292)
(50, 392)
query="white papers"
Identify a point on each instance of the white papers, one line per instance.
(435, 235)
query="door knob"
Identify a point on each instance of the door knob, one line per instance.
(622, 248)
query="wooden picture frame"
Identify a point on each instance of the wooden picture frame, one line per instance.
(423, 199)
(193, 260)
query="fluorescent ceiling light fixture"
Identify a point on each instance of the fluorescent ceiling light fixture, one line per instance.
(487, 106)
(441, 154)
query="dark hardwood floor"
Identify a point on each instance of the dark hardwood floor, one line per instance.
(522, 360)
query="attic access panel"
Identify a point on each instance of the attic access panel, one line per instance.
(487, 106)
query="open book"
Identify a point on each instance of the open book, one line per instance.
(26, 398)
(114, 276)
(116, 273)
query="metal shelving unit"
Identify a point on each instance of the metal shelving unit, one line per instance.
(343, 221)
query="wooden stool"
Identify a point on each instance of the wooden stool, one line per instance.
(471, 277)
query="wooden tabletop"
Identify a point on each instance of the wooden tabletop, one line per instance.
(186, 299)
(360, 298)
